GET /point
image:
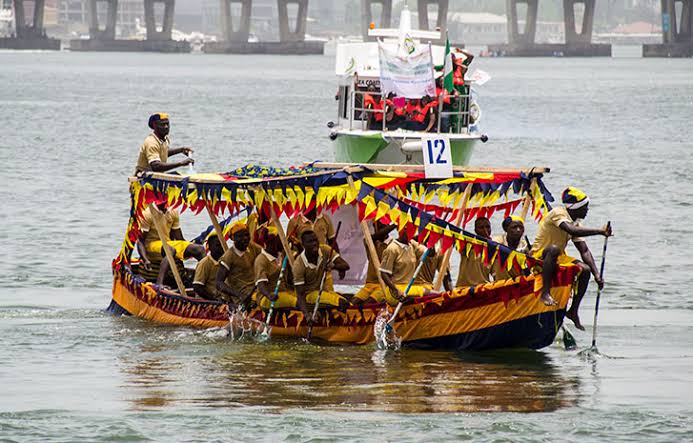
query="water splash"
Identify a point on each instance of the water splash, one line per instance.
(385, 337)
(242, 327)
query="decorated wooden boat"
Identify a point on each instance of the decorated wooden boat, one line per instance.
(506, 313)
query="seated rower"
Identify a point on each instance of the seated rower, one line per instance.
(473, 271)
(380, 241)
(428, 271)
(267, 267)
(400, 259)
(150, 246)
(321, 225)
(558, 226)
(236, 275)
(205, 281)
(513, 238)
(154, 152)
(309, 268)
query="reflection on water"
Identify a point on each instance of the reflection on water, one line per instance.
(205, 369)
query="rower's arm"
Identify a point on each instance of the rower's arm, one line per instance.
(159, 166)
(142, 251)
(177, 234)
(265, 291)
(340, 264)
(447, 281)
(580, 231)
(587, 257)
(301, 302)
(390, 284)
(222, 287)
(202, 292)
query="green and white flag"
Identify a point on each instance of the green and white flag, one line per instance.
(447, 67)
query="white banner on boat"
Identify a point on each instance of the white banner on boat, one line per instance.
(351, 247)
(437, 156)
(410, 76)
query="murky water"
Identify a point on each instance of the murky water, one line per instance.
(72, 123)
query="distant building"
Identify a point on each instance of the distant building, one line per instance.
(480, 28)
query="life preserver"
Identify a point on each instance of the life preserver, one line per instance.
(368, 100)
(378, 106)
(444, 93)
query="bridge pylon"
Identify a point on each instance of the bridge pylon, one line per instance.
(104, 38)
(292, 36)
(577, 43)
(677, 31)
(29, 34)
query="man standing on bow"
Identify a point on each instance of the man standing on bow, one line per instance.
(155, 150)
(558, 226)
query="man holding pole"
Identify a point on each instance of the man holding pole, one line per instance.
(236, 275)
(205, 281)
(558, 226)
(397, 269)
(380, 241)
(150, 244)
(268, 269)
(321, 225)
(473, 271)
(309, 269)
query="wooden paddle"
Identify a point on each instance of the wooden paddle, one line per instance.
(599, 291)
(276, 294)
(389, 326)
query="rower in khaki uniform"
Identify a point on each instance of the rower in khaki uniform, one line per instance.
(155, 150)
(268, 267)
(513, 238)
(428, 272)
(150, 245)
(400, 259)
(321, 225)
(309, 268)
(559, 226)
(205, 280)
(236, 275)
(473, 271)
(380, 241)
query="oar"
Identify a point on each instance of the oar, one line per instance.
(599, 291)
(317, 300)
(322, 284)
(388, 327)
(267, 330)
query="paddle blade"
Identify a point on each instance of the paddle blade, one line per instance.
(569, 341)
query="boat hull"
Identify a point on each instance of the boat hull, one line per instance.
(364, 147)
(498, 315)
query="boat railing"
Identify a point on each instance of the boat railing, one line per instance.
(364, 110)
(458, 111)
(457, 114)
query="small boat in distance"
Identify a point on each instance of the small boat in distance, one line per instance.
(363, 134)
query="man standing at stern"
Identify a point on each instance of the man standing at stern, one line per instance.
(155, 150)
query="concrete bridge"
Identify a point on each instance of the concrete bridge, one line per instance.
(292, 37)
(677, 29)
